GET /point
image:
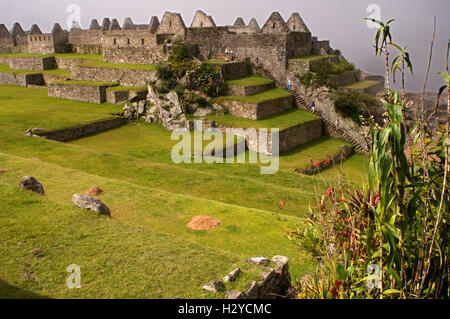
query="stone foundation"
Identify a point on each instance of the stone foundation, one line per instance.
(84, 93)
(258, 111)
(119, 97)
(234, 70)
(305, 66)
(32, 63)
(126, 77)
(21, 79)
(235, 90)
(72, 133)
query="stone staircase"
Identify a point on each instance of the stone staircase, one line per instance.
(302, 103)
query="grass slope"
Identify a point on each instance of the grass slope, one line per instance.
(58, 72)
(148, 67)
(250, 81)
(268, 95)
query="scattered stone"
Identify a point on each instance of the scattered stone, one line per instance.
(280, 263)
(30, 183)
(234, 295)
(215, 287)
(28, 275)
(258, 261)
(94, 191)
(36, 251)
(203, 111)
(91, 203)
(203, 222)
(252, 290)
(232, 276)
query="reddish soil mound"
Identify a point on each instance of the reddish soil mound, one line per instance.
(203, 222)
(3, 171)
(94, 191)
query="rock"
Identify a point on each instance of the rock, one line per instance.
(28, 275)
(36, 252)
(258, 261)
(215, 287)
(219, 108)
(94, 191)
(31, 184)
(203, 111)
(232, 276)
(234, 295)
(91, 203)
(252, 290)
(169, 109)
(281, 263)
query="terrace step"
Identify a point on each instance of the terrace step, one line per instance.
(302, 103)
(231, 70)
(85, 91)
(370, 87)
(249, 85)
(121, 94)
(296, 127)
(258, 106)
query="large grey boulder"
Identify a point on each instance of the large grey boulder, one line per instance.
(90, 203)
(215, 287)
(258, 261)
(169, 109)
(232, 276)
(30, 183)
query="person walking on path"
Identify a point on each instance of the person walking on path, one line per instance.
(289, 85)
(313, 106)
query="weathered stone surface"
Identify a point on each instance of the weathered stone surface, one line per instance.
(31, 184)
(232, 276)
(169, 109)
(234, 295)
(252, 290)
(215, 287)
(258, 261)
(91, 203)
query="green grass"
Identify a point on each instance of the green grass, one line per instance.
(312, 57)
(250, 81)
(58, 72)
(145, 250)
(86, 83)
(97, 57)
(148, 67)
(120, 88)
(282, 121)
(360, 84)
(268, 95)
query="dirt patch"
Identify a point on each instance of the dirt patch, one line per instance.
(94, 191)
(203, 222)
(2, 171)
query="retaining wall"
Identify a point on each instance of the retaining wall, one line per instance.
(126, 77)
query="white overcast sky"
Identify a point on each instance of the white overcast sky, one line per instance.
(338, 21)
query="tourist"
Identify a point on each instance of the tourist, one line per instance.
(313, 106)
(289, 85)
(232, 55)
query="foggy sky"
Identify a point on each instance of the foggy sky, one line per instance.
(338, 21)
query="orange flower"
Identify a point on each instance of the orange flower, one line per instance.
(326, 161)
(316, 164)
(282, 204)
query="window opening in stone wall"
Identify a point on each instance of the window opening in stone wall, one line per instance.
(142, 41)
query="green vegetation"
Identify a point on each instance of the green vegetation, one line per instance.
(354, 104)
(250, 81)
(57, 72)
(268, 95)
(119, 88)
(151, 200)
(322, 72)
(86, 83)
(207, 78)
(312, 57)
(282, 121)
(83, 56)
(360, 84)
(147, 67)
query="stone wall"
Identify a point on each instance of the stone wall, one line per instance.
(236, 90)
(258, 111)
(346, 77)
(70, 63)
(84, 93)
(300, 134)
(119, 97)
(86, 48)
(78, 36)
(33, 63)
(21, 79)
(234, 70)
(123, 76)
(72, 133)
(304, 66)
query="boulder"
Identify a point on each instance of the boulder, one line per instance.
(31, 184)
(169, 109)
(258, 261)
(234, 295)
(215, 287)
(203, 111)
(90, 203)
(232, 276)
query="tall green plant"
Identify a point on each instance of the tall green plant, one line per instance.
(402, 63)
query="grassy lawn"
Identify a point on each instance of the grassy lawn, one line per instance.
(148, 67)
(360, 84)
(145, 250)
(97, 57)
(120, 88)
(268, 95)
(282, 121)
(250, 81)
(86, 83)
(58, 72)
(312, 57)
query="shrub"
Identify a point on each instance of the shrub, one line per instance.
(208, 79)
(353, 104)
(164, 72)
